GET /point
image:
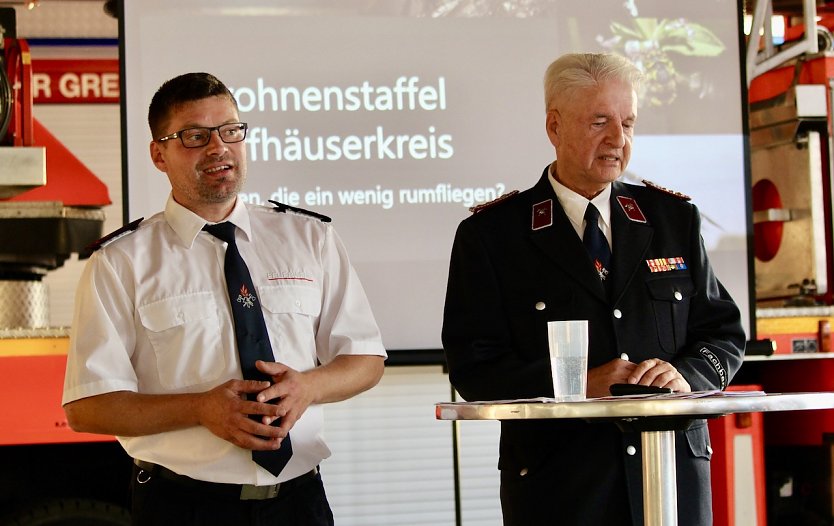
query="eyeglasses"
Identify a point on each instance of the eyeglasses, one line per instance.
(197, 137)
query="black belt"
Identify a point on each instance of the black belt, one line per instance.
(147, 470)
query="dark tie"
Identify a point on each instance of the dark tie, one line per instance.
(250, 332)
(595, 242)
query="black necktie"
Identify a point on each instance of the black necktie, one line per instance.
(595, 242)
(250, 332)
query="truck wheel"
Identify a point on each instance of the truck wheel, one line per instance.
(71, 512)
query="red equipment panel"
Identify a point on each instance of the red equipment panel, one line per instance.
(31, 385)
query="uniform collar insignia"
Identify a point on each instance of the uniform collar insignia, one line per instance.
(632, 211)
(542, 214)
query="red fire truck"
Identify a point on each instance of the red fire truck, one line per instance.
(50, 208)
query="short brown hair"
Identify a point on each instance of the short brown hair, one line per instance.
(179, 90)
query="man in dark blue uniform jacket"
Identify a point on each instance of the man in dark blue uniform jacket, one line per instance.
(656, 313)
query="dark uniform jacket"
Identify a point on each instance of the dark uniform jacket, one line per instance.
(509, 275)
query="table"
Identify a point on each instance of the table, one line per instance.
(657, 418)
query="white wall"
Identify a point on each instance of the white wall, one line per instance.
(392, 462)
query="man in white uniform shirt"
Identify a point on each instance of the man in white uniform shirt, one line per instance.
(153, 356)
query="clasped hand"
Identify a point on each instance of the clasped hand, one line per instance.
(225, 409)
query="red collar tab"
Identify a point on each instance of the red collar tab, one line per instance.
(543, 214)
(632, 211)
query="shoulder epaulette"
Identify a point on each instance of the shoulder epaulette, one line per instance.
(281, 207)
(666, 191)
(483, 206)
(113, 236)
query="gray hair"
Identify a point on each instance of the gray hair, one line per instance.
(573, 71)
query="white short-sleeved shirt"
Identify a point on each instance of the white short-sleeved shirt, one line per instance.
(152, 316)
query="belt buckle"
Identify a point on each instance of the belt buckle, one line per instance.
(252, 492)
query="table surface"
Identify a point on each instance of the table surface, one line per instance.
(715, 404)
(775, 357)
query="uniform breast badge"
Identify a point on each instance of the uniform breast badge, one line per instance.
(666, 264)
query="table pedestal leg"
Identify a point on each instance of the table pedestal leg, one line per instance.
(660, 493)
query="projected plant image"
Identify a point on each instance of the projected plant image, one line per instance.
(652, 44)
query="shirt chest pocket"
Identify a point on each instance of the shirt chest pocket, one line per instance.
(292, 299)
(185, 334)
(292, 314)
(670, 302)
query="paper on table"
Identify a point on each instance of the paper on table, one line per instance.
(662, 396)
(683, 396)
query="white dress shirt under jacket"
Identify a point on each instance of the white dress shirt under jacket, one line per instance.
(575, 205)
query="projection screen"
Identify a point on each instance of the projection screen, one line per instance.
(394, 117)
